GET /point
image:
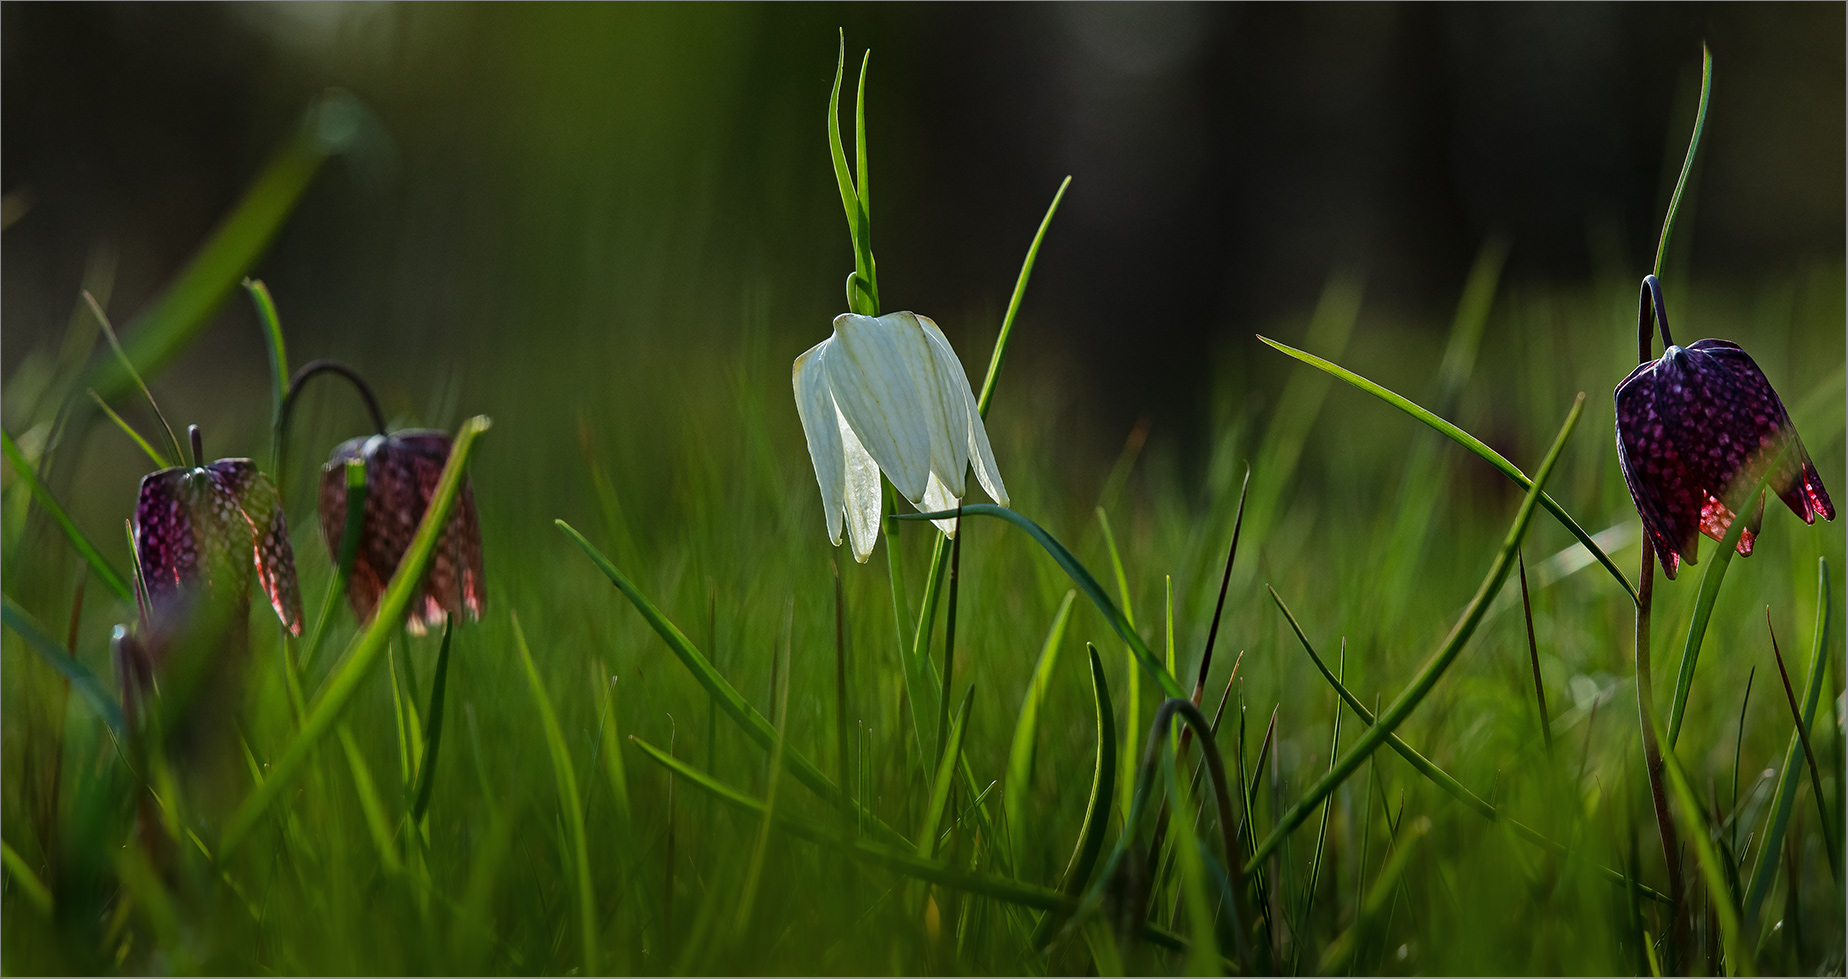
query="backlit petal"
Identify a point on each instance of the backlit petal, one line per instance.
(883, 378)
(820, 425)
(937, 497)
(975, 435)
(950, 458)
(864, 506)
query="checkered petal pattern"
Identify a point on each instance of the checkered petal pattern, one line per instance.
(402, 470)
(210, 527)
(1692, 423)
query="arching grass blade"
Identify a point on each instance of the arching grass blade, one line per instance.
(346, 677)
(1427, 677)
(87, 684)
(729, 699)
(1466, 440)
(23, 469)
(1020, 754)
(1080, 576)
(569, 800)
(1789, 777)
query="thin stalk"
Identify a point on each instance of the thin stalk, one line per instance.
(1533, 655)
(1809, 754)
(840, 698)
(949, 648)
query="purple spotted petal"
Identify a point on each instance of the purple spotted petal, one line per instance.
(272, 557)
(1688, 426)
(402, 471)
(209, 527)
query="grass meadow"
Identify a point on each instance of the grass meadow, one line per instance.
(598, 804)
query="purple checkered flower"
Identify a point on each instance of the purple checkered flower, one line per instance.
(202, 529)
(402, 470)
(1692, 423)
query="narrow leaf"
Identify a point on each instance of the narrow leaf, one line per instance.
(729, 700)
(1466, 440)
(346, 677)
(1019, 782)
(88, 686)
(1427, 677)
(569, 800)
(23, 469)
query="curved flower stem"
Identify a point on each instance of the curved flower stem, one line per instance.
(1652, 750)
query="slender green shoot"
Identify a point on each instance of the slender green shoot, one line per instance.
(351, 529)
(37, 894)
(1713, 870)
(1466, 440)
(1710, 580)
(128, 366)
(346, 677)
(154, 456)
(1809, 753)
(23, 469)
(1019, 783)
(569, 800)
(1427, 678)
(1687, 165)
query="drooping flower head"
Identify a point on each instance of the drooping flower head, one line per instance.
(887, 394)
(200, 530)
(402, 470)
(1690, 425)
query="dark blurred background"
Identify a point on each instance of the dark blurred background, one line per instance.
(651, 175)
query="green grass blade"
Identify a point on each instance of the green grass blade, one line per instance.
(569, 800)
(1328, 805)
(154, 456)
(1077, 875)
(1710, 580)
(1444, 780)
(613, 767)
(346, 677)
(350, 529)
(23, 469)
(377, 823)
(1336, 956)
(1097, 808)
(762, 845)
(1203, 957)
(1790, 776)
(433, 729)
(729, 700)
(87, 684)
(1086, 582)
(946, 771)
(271, 322)
(128, 367)
(1020, 754)
(862, 849)
(36, 892)
(164, 328)
(1469, 442)
(1427, 677)
(1712, 870)
(1809, 754)
(999, 355)
(1132, 679)
(1687, 164)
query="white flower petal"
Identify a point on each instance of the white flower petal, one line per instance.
(876, 369)
(815, 405)
(976, 437)
(937, 497)
(864, 506)
(952, 389)
(983, 457)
